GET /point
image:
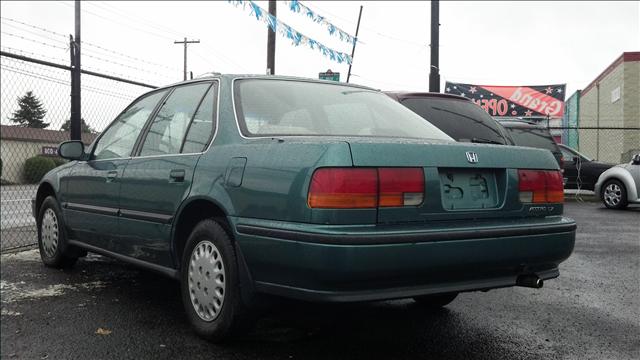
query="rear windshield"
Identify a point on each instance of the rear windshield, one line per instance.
(531, 137)
(267, 107)
(462, 120)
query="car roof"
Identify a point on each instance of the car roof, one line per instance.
(212, 76)
(413, 95)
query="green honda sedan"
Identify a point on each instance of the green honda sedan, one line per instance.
(242, 186)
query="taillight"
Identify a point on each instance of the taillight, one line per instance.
(344, 188)
(401, 186)
(540, 186)
(354, 188)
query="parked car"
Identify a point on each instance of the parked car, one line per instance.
(529, 134)
(579, 170)
(457, 116)
(620, 185)
(245, 185)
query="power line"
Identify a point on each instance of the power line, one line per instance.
(34, 41)
(212, 49)
(84, 43)
(118, 22)
(128, 56)
(174, 32)
(33, 26)
(372, 30)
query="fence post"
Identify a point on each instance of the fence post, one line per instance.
(76, 116)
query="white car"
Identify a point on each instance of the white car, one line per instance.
(620, 185)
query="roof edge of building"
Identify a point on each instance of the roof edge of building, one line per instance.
(624, 57)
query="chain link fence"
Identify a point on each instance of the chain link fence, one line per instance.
(613, 145)
(35, 113)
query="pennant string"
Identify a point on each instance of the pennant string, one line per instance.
(295, 36)
(298, 7)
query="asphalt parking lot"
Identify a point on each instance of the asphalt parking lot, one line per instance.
(106, 309)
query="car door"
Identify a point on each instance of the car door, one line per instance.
(158, 178)
(93, 186)
(570, 169)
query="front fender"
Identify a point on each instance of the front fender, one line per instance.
(621, 174)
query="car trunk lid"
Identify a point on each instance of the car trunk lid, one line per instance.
(462, 180)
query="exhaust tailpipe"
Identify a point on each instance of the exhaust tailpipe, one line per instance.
(529, 280)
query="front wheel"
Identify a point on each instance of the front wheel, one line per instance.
(210, 283)
(614, 195)
(435, 301)
(52, 237)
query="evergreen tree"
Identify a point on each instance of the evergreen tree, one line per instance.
(86, 128)
(30, 112)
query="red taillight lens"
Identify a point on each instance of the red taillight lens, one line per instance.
(540, 186)
(555, 187)
(344, 188)
(353, 188)
(401, 186)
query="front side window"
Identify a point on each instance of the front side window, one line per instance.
(172, 120)
(268, 107)
(118, 140)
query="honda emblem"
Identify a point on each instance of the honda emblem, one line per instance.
(472, 157)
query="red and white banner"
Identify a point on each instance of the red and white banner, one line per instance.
(509, 101)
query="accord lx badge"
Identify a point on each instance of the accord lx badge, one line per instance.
(472, 157)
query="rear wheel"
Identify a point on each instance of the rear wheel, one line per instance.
(614, 195)
(210, 283)
(52, 237)
(435, 301)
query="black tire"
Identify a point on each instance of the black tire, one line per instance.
(56, 254)
(610, 202)
(435, 301)
(232, 318)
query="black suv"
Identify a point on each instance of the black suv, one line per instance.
(455, 115)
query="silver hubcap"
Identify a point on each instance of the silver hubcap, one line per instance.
(612, 194)
(206, 280)
(49, 233)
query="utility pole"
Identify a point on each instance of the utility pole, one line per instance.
(434, 74)
(76, 115)
(271, 42)
(353, 51)
(185, 42)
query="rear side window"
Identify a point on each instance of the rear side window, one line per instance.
(462, 120)
(267, 107)
(532, 137)
(203, 124)
(172, 120)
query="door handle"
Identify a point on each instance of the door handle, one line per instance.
(176, 175)
(111, 175)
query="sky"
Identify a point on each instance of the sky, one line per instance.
(488, 43)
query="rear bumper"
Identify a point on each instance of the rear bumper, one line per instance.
(360, 263)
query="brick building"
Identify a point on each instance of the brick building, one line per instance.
(17, 144)
(612, 100)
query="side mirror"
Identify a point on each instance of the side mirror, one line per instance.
(635, 160)
(575, 159)
(71, 150)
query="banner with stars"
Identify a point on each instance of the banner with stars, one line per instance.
(510, 101)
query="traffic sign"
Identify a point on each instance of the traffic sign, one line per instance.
(329, 75)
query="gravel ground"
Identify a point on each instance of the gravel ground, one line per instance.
(106, 309)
